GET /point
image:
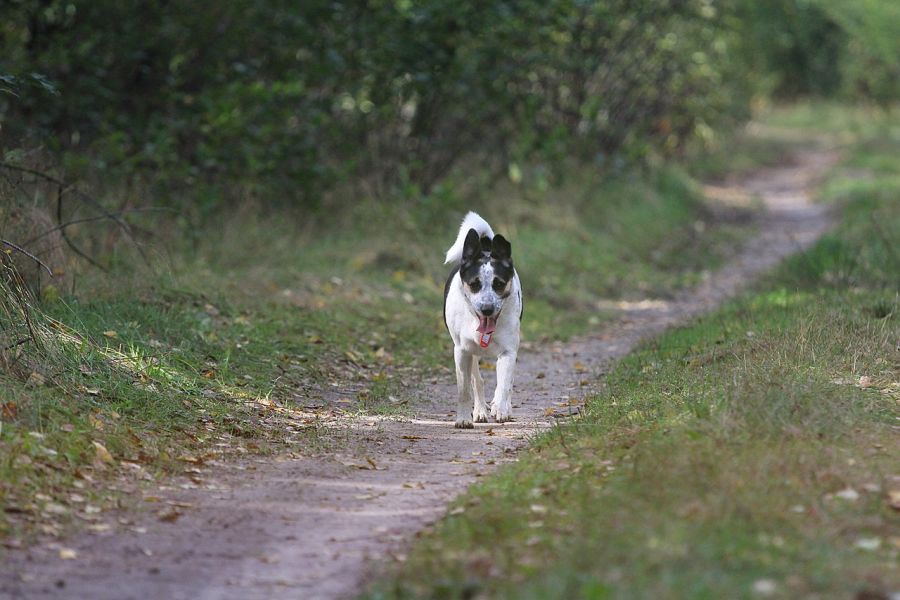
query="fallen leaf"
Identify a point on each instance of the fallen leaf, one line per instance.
(868, 543)
(67, 554)
(765, 587)
(102, 454)
(847, 494)
(111, 333)
(35, 380)
(55, 509)
(894, 499)
(169, 515)
(371, 496)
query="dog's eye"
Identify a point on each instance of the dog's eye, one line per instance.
(498, 284)
(475, 285)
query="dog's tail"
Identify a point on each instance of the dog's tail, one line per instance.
(472, 221)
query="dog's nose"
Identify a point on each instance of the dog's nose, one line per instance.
(487, 310)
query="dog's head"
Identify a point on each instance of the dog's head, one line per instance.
(487, 273)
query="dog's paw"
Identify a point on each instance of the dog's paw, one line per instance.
(463, 424)
(480, 415)
(501, 413)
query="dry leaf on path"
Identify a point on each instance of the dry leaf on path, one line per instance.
(102, 454)
(169, 515)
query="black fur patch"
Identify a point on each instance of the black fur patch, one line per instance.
(473, 257)
(501, 258)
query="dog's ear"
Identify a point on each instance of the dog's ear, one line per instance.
(500, 249)
(471, 247)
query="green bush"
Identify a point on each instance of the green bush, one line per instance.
(310, 94)
(291, 99)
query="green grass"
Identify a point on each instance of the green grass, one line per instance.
(719, 460)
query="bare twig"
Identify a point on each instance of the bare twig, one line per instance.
(34, 172)
(16, 344)
(69, 242)
(28, 254)
(62, 226)
(64, 187)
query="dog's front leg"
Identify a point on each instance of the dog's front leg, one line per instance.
(464, 402)
(480, 412)
(501, 406)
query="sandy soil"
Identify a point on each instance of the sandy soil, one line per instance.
(321, 527)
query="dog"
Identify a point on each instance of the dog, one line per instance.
(483, 312)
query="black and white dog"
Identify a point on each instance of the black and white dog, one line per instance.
(482, 311)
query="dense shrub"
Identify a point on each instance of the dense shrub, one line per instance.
(294, 97)
(308, 93)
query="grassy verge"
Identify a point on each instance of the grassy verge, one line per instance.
(257, 331)
(750, 454)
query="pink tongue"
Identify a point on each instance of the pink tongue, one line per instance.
(487, 325)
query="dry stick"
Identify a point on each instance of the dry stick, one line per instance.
(28, 254)
(100, 218)
(63, 186)
(34, 172)
(19, 343)
(62, 232)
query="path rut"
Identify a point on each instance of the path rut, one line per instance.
(320, 527)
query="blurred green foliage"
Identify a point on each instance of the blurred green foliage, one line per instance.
(311, 93)
(293, 98)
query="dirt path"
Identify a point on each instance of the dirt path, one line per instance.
(311, 528)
